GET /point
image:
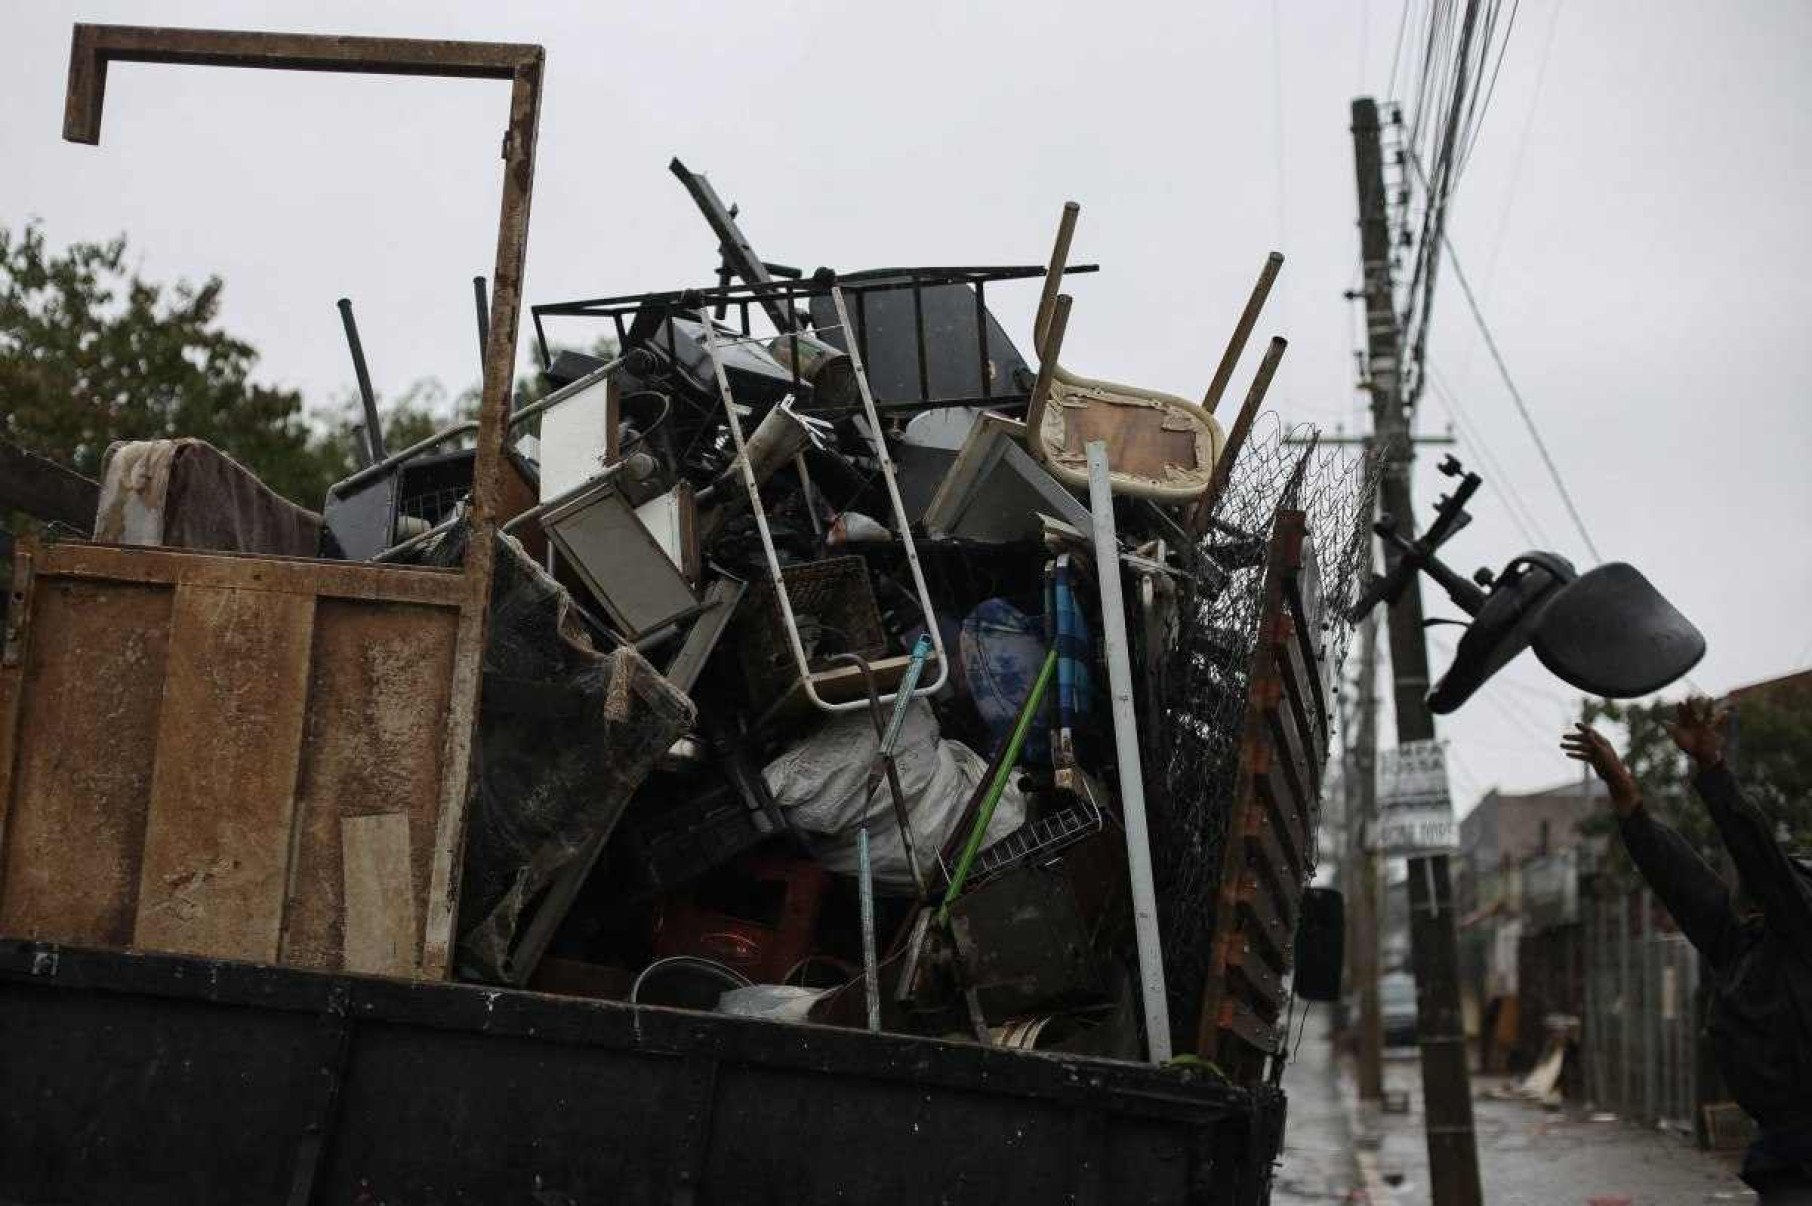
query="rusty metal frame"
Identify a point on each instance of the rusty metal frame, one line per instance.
(94, 47)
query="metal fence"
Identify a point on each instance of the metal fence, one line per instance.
(1639, 1035)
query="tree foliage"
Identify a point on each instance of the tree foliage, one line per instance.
(90, 353)
(1770, 752)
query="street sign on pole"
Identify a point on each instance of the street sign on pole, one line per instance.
(1415, 808)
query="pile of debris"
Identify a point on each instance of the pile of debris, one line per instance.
(834, 648)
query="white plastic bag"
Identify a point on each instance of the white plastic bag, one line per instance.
(820, 782)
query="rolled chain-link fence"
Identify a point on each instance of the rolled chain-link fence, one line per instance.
(1193, 743)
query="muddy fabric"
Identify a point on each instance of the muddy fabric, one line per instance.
(187, 494)
(565, 736)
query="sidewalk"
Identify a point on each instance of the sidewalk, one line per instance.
(1529, 1156)
(1319, 1164)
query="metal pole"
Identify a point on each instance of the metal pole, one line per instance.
(1625, 1006)
(1651, 1017)
(481, 303)
(1126, 756)
(374, 426)
(1446, 1090)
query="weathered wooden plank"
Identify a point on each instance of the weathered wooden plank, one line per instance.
(253, 572)
(1266, 921)
(457, 767)
(379, 683)
(1303, 775)
(46, 490)
(380, 895)
(1238, 1019)
(1298, 683)
(1266, 854)
(87, 696)
(217, 836)
(1280, 805)
(1265, 982)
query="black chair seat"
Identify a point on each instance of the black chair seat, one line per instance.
(1610, 632)
(1503, 627)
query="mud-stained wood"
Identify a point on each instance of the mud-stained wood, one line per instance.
(1138, 442)
(377, 727)
(1298, 681)
(223, 793)
(1273, 790)
(1266, 854)
(1270, 843)
(1264, 987)
(381, 934)
(247, 571)
(89, 696)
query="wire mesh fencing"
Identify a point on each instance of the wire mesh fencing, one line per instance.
(1639, 1039)
(1197, 709)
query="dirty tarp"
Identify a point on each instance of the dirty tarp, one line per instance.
(565, 736)
(187, 494)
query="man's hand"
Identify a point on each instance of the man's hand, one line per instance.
(1698, 729)
(1586, 744)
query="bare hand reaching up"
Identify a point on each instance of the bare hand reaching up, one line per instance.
(1585, 744)
(1698, 729)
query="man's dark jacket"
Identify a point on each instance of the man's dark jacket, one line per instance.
(1760, 1020)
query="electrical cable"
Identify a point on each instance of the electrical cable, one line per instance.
(1396, 56)
(1522, 408)
(1520, 511)
(1522, 148)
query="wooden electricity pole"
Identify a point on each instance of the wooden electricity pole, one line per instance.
(1446, 1089)
(1362, 880)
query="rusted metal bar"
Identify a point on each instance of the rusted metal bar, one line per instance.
(1242, 331)
(93, 47)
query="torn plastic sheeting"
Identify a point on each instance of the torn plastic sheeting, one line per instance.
(821, 782)
(565, 736)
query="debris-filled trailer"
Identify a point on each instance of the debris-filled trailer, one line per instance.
(810, 751)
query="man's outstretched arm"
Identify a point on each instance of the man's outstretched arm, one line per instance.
(1768, 874)
(1691, 891)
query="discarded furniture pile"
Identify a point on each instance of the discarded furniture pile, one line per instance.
(810, 653)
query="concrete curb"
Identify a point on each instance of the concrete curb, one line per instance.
(1372, 1190)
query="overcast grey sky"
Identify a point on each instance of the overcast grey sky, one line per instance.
(1635, 220)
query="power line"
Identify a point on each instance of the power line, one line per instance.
(1520, 510)
(1522, 146)
(1516, 395)
(1390, 88)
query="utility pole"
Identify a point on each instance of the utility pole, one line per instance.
(1446, 1089)
(1362, 879)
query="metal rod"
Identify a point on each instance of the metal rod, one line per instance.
(1053, 275)
(374, 426)
(775, 576)
(1126, 754)
(997, 783)
(1242, 331)
(483, 306)
(871, 974)
(1222, 473)
(985, 364)
(1047, 370)
(918, 327)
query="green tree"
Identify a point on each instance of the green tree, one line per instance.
(90, 353)
(1770, 753)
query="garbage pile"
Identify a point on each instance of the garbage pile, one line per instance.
(837, 649)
